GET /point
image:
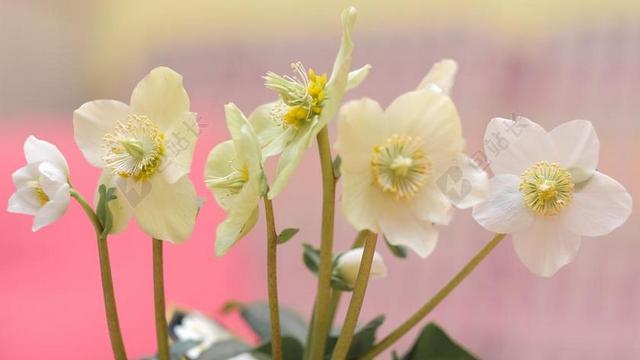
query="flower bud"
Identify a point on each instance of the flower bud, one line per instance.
(349, 263)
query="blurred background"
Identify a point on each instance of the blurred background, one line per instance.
(549, 60)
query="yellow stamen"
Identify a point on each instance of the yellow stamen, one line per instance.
(546, 188)
(42, 197)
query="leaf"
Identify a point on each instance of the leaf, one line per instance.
(224, 350)
(311, 258)
(338, 284)
(286, 235)
(363, 339)
(291, 349)
(336, 167)
(433, 343)
(177, 350)
(258, 317)
(103, 213)
(397, 250)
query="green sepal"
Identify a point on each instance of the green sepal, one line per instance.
(396, 250)
(103, 212)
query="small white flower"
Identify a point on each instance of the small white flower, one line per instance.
(547, 192)
(403, 167)
(348, 265)
(145, 149)
(42, 187)
(197, 327)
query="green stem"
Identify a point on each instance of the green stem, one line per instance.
(320, 326)
(162, 337)
(272, 281)
(357, 298)
(434, 301)
(111, 311)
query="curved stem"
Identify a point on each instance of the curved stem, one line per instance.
(111, 311)
(162, 337)
(355, 305)
(272, 281)
(320, 326)
(434, 301)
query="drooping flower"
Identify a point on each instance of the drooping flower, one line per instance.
(348, 265)
(308, 101)
(546, 191)
(42, 186)
(403, 167)
(145, 149)
(235, 175)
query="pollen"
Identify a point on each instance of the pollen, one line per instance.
(546, 188)
(42, 196)
(135, 148)
(400, 166)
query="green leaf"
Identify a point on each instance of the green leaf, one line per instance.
(397, 250)
(434, 344)
(338, 284)
(336, 167)
(224, 350)
(178, 349)
(311, 258)
(363, 339)
(292, 349)
(103, 212)
(258, 317)
(286, 235)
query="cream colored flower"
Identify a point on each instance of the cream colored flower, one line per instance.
(403, 167)
(42, 187)
(145, 149)
(196, 327)
(348, 265)
(308, 101)
(235, 176)
(547, 192)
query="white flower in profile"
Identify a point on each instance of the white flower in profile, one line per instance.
(145, 149)
(348, 264)
(307, 103)
(403, 168)
(546, 191)
(234, 174)
(42, 186)
(196, 327)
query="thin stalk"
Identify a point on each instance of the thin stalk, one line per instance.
(357, 298)
(162, 337)
(110, 309)
(320, 326)
(434, 301)
(272, 281)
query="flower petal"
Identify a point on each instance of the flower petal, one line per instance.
(53, 210)
(91, 122)
(432, 205)
(504, 210)
(599, 206)
(36, 150)
(51, 178)
(128, 193)
(578, 147)
(465, 183)
(513, 146)
(401, 228)
(360, 200)
(272, 135)
(169, 211)
(222, 161)
(25, 174)
(356, 77)
(441, 77)
(546, 245)
(24, 201)
(180, 142)
(162, 97)
(348, 265)
(288, 162)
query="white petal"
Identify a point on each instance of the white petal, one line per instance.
(599, 206)
(25, 174)
(53, 210)
(289, 160)
(348, 265)
(504, 210)
(465, 183)
(272, 135)
(51, 178)
(24, 201)
(91, 122)
(578, 147)
(431, 205)
(401, 228)
(546, 245)
(360, 200)
(161, 97)
(169, 211)
(180, 142)
(441, 77)
(222, 161)
(36, 150)
(356, 77)
(128, 193)
(513, 146)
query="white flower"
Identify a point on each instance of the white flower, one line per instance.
(307, 103)
(547, 192)
(348, 265)
(145, 149)
(42, 187)
(403, 167)
(197, 327)
(235, 176)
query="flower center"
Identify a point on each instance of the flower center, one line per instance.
(134, 148)
(233, 182)
(302, 95)
(546, 188)
(400, 166)
(42, 196)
